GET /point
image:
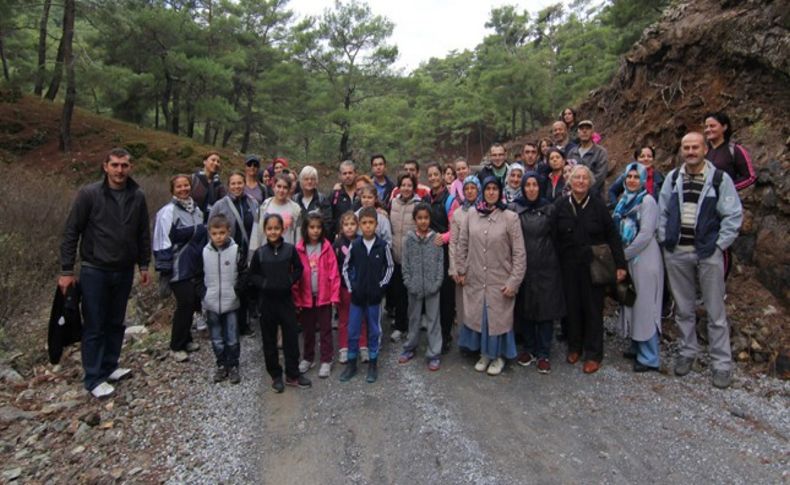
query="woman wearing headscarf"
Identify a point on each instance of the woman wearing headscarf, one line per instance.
(541, 297)
(490, 265)
(636, 217)
(471, 192)
(179, 237)
(581, 222)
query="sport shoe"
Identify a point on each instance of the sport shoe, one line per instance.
(525, 359)
(277, 385)
(405, 356)
(482, 364)
(301, 382)
(179, 356)
(544, 366)
(199, 321)
(342, 356)
(396, 335)
(434, 364)
(722, 379)
(364, 354)
(305, 366)
(373, 371)
(192, 347)
(683, 365)
(233, 375)
(324, 370)
(119, 374)
(220, 374)
(102, 390)
(496, 367)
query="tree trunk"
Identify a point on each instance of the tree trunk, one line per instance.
(512, 121)
(5, 61)
(71, 85)
(166, 98)
(345, 126)
(245, 140)
(190, 119)
(175, 112)
(42, 49)
(207, 133)
(156, 116)
(216, 134)
(57, 72)
(226, 137)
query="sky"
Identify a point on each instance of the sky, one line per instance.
(429, 28)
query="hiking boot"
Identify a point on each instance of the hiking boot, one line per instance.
(179, 355)
(544, 366)
(119, 374)
(277, 385)
(192, 347)
(722, 379)
(220, 374)
(405, 356)
(301, 382)
(364, 354)
(496, 367)
(683, 365)
(324, 370)
(342, 356)
(434, 364)
(395, 336)
(525, 359)
(350, 371)
(102, 390)
(233, 375)
(482, 364)
(305, 366)
(373, 371)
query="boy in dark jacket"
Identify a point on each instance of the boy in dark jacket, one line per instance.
(274, 269)
(367, 270)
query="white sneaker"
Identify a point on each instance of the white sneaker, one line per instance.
(200, 322)
(396, 335)
(305, 366)
(342, 356)
(324, 370)
(496, 367)
(118, 374)
(193, 347)
(482, 364)
(179, 356)
(364, 355)
(102, 390)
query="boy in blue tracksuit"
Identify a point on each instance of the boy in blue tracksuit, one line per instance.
(367, 270)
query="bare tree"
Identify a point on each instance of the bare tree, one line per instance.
(42, 49)
(71, 88)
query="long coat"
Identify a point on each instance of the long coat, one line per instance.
(491, 255)
(641, 321)
(456, 225)
(402, 222)
(542, 294)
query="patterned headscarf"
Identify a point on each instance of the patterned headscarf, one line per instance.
(626, 214)
(471, 179)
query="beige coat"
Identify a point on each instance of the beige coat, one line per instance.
(402, 222)
(456, 224)
(491, 255)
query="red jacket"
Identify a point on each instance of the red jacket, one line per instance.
(328, 278)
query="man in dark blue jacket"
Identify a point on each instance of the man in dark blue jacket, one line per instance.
(109, 222)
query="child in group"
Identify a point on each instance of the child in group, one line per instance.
(316, 292)
(221, 266)
(274, 269)
(367, 270)
(342, 245)
(423, 272)
(282, 205)
(368, 197)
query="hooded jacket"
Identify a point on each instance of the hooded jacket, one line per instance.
(423, 264)
(328, 278)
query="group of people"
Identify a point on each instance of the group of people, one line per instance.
(508, 251)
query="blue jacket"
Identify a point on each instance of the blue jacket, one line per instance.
(179, 237)
(367, 275)
(719, 216)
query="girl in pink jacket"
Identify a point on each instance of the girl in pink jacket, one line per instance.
(316, 292)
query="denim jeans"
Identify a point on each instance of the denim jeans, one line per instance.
(104, 298)
(537, 337)
(224, 331)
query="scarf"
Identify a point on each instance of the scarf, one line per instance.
(482, 207)
(626, 214)
(522, 199)
(470, 179)
(187, 204)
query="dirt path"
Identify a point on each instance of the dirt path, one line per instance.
(457, 426)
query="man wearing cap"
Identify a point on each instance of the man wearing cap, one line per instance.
(594, 156)
(252, 185)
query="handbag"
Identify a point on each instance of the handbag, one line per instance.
(625, 291)
(602, 267)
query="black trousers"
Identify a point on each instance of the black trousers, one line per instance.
(400, 300)
(447, 300)
(187, 302)
(277, 310)
(584, 312)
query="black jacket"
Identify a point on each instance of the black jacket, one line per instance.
(341, 246)
(580, 226)
(367, 275)
(110, 237)
(339, 204)
(440, 215)
(275, 268)
(320, 204)
(65, 322)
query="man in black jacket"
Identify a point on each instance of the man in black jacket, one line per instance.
(109, 222)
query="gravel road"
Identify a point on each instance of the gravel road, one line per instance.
(457, 426)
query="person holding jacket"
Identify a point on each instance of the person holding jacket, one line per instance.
(582, 221)
(700, 215)
(179, 237)
(636, 218)
(646, 157)
(109, 222)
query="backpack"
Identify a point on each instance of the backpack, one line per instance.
(749, 165)
(448, 204)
